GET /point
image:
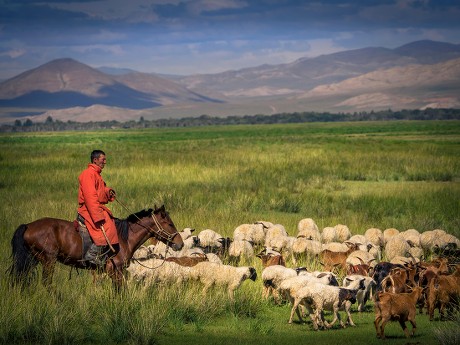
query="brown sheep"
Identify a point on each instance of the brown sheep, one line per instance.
(400, 307)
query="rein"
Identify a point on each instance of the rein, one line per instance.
(161, 233)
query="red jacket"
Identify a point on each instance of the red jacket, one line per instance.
(93, 195)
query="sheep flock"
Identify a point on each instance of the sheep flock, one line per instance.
(315, 271)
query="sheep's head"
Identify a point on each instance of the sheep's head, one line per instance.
(252, 274)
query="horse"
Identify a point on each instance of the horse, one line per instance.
(51, 240)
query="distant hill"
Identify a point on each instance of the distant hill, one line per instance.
(66, 83)
(414, 76)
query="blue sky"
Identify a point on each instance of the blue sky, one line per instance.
(209, 36)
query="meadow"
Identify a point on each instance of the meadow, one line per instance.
(393, 174)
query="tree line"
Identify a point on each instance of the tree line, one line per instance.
(206, 120)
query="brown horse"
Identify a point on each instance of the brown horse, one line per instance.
(51, 240)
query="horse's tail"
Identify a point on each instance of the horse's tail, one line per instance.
(23, 260)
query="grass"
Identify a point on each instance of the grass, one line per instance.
(373, 174)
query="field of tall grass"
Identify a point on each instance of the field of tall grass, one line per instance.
(371, 174)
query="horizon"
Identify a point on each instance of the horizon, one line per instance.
(186, 37)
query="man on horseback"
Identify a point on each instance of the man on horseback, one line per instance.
(93, 195)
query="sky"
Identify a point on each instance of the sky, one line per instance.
(185, 37)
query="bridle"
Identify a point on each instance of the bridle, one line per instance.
(160, 233)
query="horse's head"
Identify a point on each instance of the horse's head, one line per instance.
(166, 230)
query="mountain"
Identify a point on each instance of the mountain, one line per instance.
(413, 76)
(307, 73)
(66, 83)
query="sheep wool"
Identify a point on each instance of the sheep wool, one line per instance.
(396, 246)
(209, 237)
(343, 232)
(388, 234)
(307, 228)
(412, 236)
(328, 235)
(375, 236)
(335, 247)
(231, 277)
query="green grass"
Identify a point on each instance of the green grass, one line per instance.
(371, 174)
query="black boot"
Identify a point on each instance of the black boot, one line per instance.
(93, 255)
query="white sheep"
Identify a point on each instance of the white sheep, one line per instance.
(186, 233)
(396, 246)
(272, 276)
(336, 247)
(363, 295)
(375, 236)
(329, 234)
(359, 257)
(241, 250)
(210, 238)
(274, 231)
(210, 273)
(213, 258)
(302, 247)
(388, 234)
(343, 232)
(143, 252)
(153, 271)
(358, 239)
(307, 228)
(325, 297)
(412, 236)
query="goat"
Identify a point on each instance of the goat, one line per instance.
(331, 259)
(443, 291)
(401, 306)
(188, 261)
(270, 260)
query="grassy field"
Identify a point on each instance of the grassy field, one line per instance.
(370, 174)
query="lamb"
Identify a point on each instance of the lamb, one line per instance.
(401, 306)
(209, 274)
(272, 276)
(325, 297)
(362, 295)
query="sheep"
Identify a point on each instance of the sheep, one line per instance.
(388, 234)
(343, 232)
(143, 252)
(358, 239)
(303, 247)
(375, 236)
(240, 250)
(329, 234)
(213, 258)
(158, 271)
(288, 287)
(361, 257)
(272, 276)
(186, 233)
(307, 228)
(363, 295)
(325, 297)
(396, 246)
(209, 274)
(210, 239)
(274, 231)
(252, 232)
(335, 247)
(412, 236)
(401, 306)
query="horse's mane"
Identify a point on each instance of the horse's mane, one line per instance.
(122, 225)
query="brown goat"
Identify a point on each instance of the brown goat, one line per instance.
(331, 259)
(271, 259)
(400, 279)
(396, 306)
(188, 261)
(443, 291)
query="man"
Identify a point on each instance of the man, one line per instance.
(93, 195)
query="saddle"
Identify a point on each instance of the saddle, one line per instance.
(86, 240)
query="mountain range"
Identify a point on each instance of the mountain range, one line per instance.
(414, 76)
